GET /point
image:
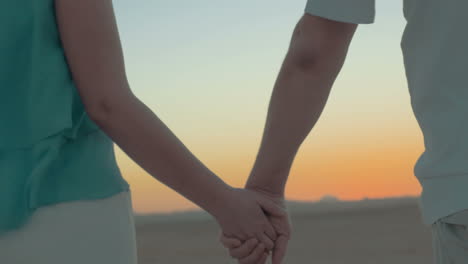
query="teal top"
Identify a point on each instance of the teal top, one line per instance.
(50, 150)
(434, 46)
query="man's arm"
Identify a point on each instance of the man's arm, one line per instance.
(316, 54)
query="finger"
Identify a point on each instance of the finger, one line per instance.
(244, 250)
(263, 259)
(254, 256)
(280, 249)
(229, 242)
(270, 231)
(269, 244)
(271, 207)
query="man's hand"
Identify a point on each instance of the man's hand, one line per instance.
(280, 222)
(244, 216)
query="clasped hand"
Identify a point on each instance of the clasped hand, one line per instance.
(253, 225)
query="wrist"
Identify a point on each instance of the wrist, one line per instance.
(268, 181)
(217, 205)
(272, 192)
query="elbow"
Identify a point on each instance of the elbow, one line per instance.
(301, 59)
(304, 53)
(102, 109)
(304, 58)
(304, 48)
(99, 112)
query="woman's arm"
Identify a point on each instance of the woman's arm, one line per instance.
(92, 46)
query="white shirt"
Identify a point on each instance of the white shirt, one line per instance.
(435, 52)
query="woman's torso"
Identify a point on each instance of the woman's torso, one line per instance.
(50, 150)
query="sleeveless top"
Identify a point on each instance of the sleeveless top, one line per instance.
(50, 150)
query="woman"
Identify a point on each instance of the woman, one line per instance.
(64, 98)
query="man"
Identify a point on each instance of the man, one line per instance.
(434, 46)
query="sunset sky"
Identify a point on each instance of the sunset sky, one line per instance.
(207, 68)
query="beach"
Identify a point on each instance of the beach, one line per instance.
(384, 231)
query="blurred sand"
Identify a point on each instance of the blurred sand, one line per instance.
(386, 231)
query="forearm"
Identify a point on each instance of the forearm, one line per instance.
(145, 139)
(298, 99)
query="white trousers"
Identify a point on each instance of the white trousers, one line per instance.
(88, 231)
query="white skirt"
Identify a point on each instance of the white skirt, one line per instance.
(87, 231)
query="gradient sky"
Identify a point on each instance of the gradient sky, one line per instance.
(207, 68)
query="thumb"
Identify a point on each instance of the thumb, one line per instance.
(271, 207)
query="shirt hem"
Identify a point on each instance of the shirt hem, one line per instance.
(125, 187)
(443, 196)
(334, 11)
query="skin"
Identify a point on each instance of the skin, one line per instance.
(93, 51)
(314, 59)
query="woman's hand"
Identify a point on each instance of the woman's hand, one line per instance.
(243, 216)
(249, 252)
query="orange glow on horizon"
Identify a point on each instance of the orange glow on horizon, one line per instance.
(348, 173)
